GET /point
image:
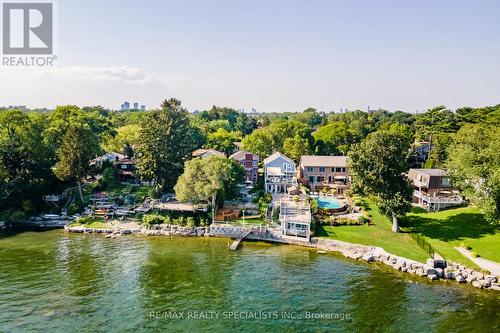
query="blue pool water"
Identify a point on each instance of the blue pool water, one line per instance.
(328, 203)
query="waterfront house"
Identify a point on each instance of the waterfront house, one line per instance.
(110, 157)
(319, 172)
(279, 173)
(202, 153)
(432, 190)
(295, 216)
(125, 169)
(249, 161)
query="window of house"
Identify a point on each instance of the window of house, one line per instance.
(310, 169)
(123, 167)
(311, 179)
(338, 169)
(445, 181)
(321, 169)
(320, 179)
(287, 167)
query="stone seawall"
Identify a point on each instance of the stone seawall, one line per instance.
(432, 269)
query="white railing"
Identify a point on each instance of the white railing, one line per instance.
(455, 199)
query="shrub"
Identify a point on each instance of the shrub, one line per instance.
(363, 220)
(84, 219)
(296, 198)
(190, 223)
(474, 254)
(108, 177)
(150, 219)
(357, 202)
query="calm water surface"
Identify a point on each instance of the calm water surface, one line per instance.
(57, 282)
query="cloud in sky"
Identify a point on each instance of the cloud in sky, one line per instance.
(48, 87)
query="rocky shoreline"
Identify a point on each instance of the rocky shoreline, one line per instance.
(432, 269)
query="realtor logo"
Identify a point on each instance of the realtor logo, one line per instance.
(27, 28)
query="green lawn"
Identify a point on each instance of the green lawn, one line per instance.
(449, 228)
(379, 234)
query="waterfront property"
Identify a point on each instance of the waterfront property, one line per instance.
(249, 161)
(319, 172)
(110, 157)
(279, 173)
(295, 216)
(202, 153)
(433, 190)
(125, 169)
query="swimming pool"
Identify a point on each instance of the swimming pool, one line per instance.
(328, 203)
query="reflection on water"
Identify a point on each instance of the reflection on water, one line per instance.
(60, 282)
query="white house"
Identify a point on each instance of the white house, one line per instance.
(110, 157)
(279, 173)
(295, 216)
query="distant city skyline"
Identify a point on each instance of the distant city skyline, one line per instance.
(269, 56)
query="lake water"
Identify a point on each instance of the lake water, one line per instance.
(58, 282)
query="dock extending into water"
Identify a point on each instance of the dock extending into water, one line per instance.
(237, 242)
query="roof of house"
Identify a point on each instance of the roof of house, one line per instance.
(277, 155)
(199, 152)
(324, 161)
(240, 155)
(430, 172)
(108, 156)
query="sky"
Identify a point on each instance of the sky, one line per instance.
(272, 55)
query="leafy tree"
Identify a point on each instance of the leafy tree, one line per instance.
(474, 166)
(334, 138)
(165, 142)
(78, 147)
(25, 160)
(125, 135)
(296, 147)
(259, 142)
(377, 165)
(64, 117)
(283, 129)
(309, 116)
(222, 140)
(203, 179)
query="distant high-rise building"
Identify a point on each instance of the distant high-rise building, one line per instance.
(254, 110)
(125, 106)
(136, 106)
(143, 107)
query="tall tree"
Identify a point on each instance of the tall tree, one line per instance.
(25, 160)
(78, 147)
(377, 166)
(334, 138)
(205, 179)
(474, 166)
(259, 142)
(296, 147)
(222, 140)
(165, 143)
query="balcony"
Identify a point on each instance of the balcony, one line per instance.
(440, 199)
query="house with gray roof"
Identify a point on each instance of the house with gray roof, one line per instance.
(319, 172)
(433, 190)
(279, 173)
